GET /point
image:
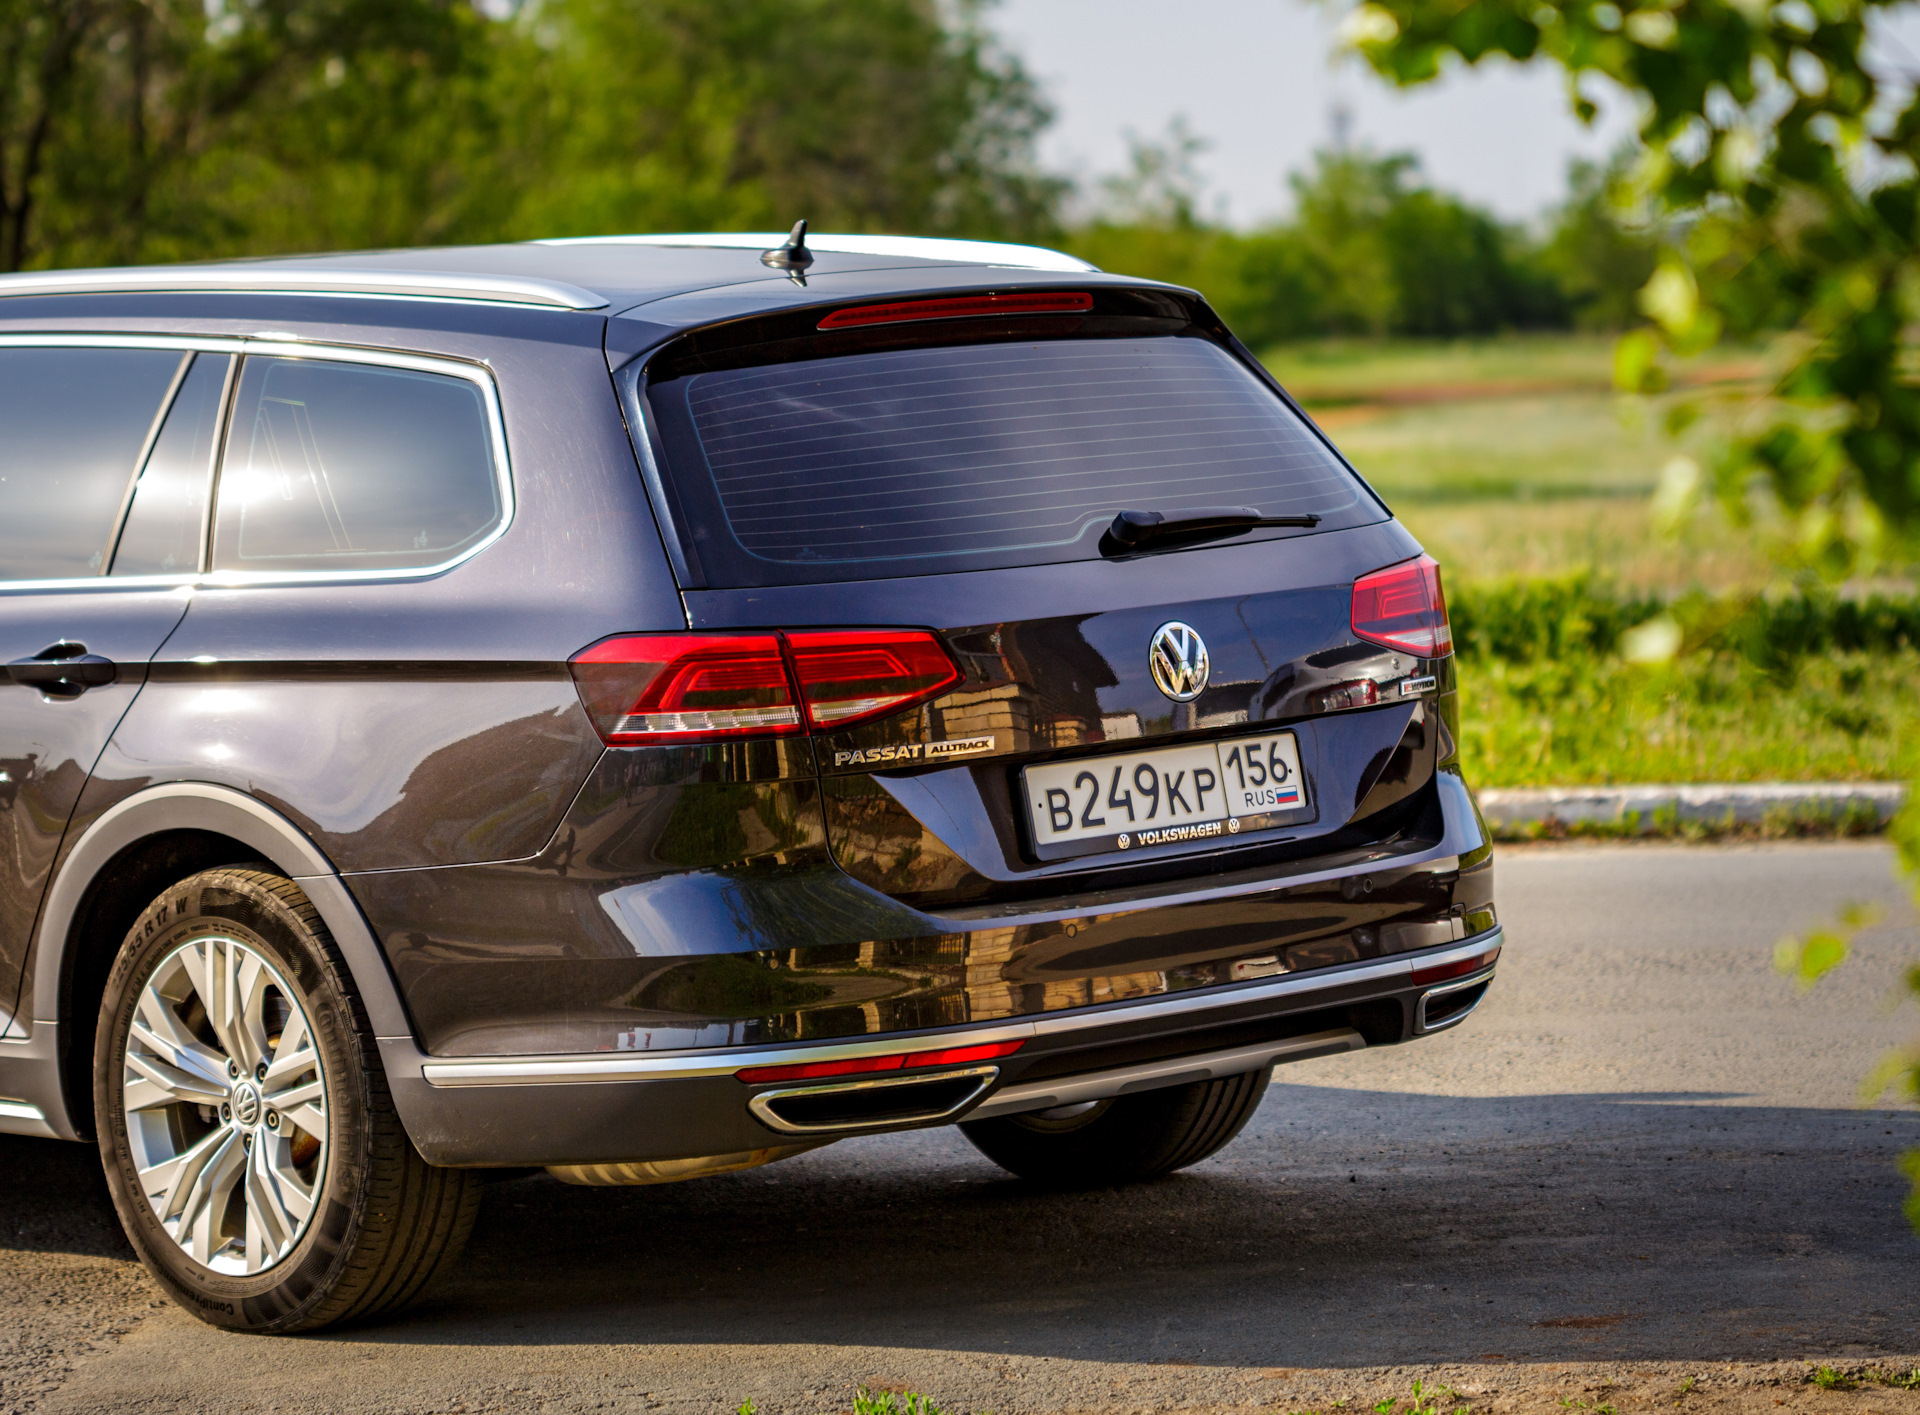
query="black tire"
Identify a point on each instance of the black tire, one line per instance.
(1125, 1140)
(383, 1223)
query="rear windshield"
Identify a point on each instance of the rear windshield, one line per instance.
(923, 460)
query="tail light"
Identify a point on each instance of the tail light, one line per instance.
(848, 678)
(644, 689)
(1402, 608)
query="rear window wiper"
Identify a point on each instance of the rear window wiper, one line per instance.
(1140, 530)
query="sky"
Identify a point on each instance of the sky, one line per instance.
(1257, 80)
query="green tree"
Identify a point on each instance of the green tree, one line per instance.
(1150, 223)
(114, 113)
(139, 130)
(1370, 250)
(729, 114)
(1392, 255)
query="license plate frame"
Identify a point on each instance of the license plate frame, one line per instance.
(1107, 825)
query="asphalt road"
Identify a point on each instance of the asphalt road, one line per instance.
(1644, 1149)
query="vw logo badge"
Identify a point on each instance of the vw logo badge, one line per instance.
(246, 1103)
(1178, 658)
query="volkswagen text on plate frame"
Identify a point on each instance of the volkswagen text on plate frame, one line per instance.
(606, 706)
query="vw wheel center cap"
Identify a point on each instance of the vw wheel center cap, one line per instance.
(246, 1103)
(1178, 658)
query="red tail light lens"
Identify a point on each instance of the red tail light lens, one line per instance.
(1402, 608)
(642, 689)
(857, 675)
(960, 307)
(864, 1065)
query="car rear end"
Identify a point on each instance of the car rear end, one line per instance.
(1059, 717)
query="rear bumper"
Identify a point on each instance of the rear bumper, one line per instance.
(608, 1107)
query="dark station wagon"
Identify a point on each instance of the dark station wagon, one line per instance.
(650, 706)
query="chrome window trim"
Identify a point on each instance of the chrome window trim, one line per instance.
(140, 463)
(266, 279)
(762, 1104)
(280, 346)
(633, 401)
(571, 1069)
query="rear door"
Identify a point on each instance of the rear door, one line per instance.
(1125, 711)
(100, 448)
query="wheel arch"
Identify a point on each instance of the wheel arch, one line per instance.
(122, 861)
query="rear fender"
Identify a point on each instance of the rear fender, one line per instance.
(34, 1065)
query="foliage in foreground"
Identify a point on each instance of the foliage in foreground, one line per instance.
(1790, 161)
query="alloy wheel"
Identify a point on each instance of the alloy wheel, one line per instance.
(225, 1099)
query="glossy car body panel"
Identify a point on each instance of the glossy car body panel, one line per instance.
(49, 744)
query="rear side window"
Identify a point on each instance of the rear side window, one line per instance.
(73, 425)
(343, 466)
(921, 460)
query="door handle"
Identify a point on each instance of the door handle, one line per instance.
(63, 670)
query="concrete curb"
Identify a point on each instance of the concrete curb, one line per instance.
(1651, 809)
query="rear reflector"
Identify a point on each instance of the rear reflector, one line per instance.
(961, 307)
(1402, 608)
(642, 689)
(861, 1065)
(647, 688)
(1362, 692)
(1441, 972)
(853, 677)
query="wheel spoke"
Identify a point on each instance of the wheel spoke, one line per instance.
(275, 1207)
(310, 1118)
(251, 980)
(297, 1094)
(294, 1056)
(171, 1184)
(161, 1032)
(152, 1082)
(206, 1200)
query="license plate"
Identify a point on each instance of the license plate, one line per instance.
(1175, 794)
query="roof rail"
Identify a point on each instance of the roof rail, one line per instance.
(269, 278)
(920, 247)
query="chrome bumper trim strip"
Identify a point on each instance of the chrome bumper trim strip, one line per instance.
(566, 1070)
(1175, 1071)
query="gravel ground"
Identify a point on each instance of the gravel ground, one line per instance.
(1639, 1165)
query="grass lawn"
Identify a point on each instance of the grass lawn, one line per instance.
(1583, 721)
(1514, 456)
